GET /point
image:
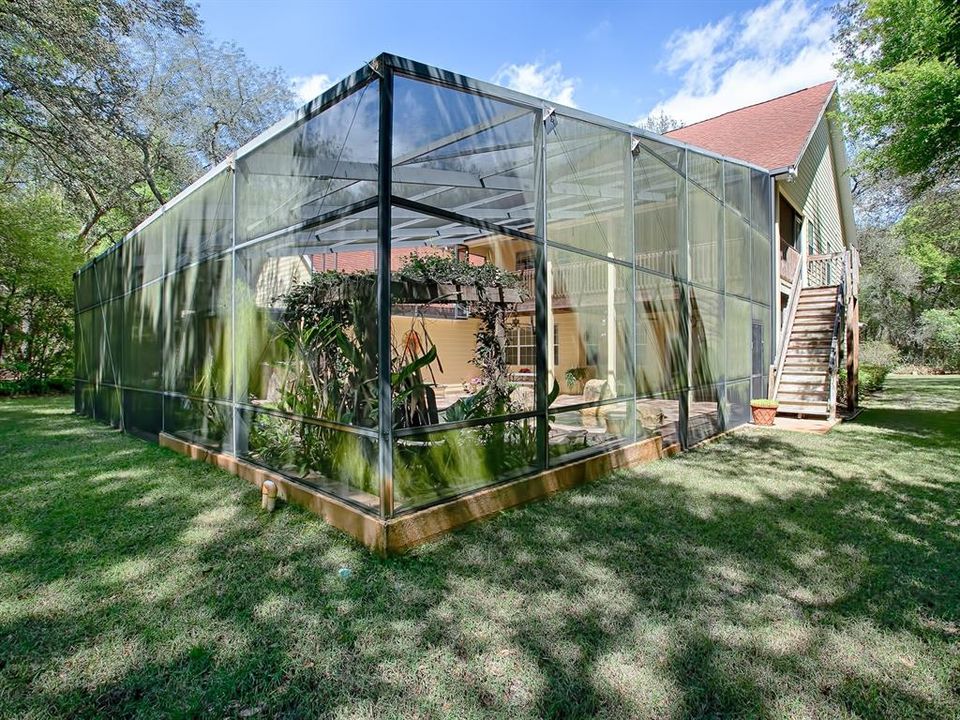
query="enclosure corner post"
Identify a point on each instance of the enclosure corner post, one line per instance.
(686, 316)
(631, 236)
(540, 291)
(774, 298)
(384, 349)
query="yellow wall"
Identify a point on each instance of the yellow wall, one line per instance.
(455, 342)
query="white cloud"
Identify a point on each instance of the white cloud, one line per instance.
(307, 87)
(545, 81)
(774, 49)
(599, 31)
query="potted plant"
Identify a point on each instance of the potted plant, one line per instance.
(764, 411)
(576, 377)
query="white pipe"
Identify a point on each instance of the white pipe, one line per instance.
(268, 495)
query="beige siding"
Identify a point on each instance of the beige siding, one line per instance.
(455, 341)
(814, 193)
(277, 276)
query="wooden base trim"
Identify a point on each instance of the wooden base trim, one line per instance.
(420, 526)
(407, 531)
(363, 527)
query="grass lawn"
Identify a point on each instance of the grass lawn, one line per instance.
(764, 575)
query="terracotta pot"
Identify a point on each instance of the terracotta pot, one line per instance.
(763, 415)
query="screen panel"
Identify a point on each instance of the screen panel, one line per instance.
(464, 152)
(587, 178)
(318, 166)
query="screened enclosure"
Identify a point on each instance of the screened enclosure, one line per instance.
(421, 285)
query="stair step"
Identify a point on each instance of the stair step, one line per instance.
(825, 315)
(816, 305)
(802, 376)
(816, 333)
(791, 396)
(813, 321)
(810, 344)
(817, 291)
(816, 384)
(812, 330)
(797, 407)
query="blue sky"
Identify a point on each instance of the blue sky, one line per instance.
(622, 60)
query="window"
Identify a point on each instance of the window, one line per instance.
(521, 348)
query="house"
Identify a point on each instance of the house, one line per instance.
(798, 140)
(423, 298)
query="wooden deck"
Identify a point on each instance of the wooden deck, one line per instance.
(819, 426)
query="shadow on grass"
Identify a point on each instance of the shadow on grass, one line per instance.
(765, 575)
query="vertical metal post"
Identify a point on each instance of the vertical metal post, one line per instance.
(774, 296)
(722, 261)
(164, 320)
(686, 326)
(384, 349)
(234, 445)
(630, 232)
(540, 289)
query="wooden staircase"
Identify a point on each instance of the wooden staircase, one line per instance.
(804, 383)
(819, 331)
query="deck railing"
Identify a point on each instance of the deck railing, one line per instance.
(826, 269)
(583, 278)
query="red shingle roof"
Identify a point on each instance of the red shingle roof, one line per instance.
(771, 134)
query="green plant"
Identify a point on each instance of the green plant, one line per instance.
(764, 403)
(879, 353)
(449, 269)
(940, 334)
(327, 369)
(575, 377)
(872, 377)
(468, 407)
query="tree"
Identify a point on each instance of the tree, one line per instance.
(909, 268)
(204, 100)
(64, 82)
(888, 279)
(660, 123)
(901, 63)
(931, 233)
(939, 331)
(38, 254)
(122, 102)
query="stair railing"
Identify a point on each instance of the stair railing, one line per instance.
(787, 328)
(839, 313)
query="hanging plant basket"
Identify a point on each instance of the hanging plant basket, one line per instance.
(413, 291)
